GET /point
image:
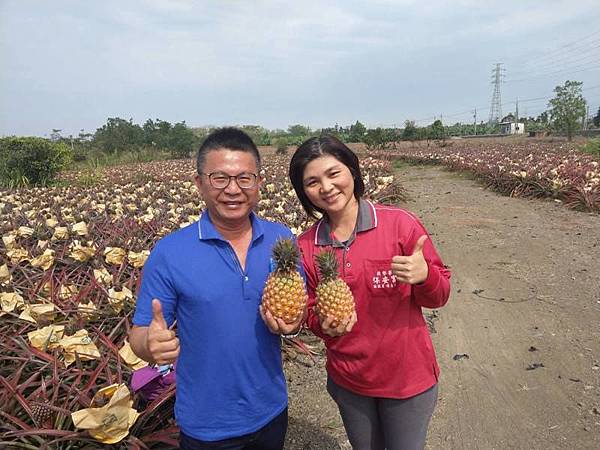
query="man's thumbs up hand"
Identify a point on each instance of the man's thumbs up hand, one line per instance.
(161, 342)
(158, 320)
(411, 269)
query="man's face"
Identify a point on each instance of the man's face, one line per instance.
(232, 204)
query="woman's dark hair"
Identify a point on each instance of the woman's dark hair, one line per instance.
(313, 149)
(226, 138)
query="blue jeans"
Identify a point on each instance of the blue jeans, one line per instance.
(269, 437)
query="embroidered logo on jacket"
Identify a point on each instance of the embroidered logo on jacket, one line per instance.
(384, 279)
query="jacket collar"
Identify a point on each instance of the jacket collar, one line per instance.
(367, 220)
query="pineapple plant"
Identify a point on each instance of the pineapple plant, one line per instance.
(284, 294)
(333, 296)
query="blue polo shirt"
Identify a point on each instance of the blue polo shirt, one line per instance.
(230, 379)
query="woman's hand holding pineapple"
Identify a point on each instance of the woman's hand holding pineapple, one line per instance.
(334, 328)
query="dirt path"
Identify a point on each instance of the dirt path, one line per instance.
(525, 309)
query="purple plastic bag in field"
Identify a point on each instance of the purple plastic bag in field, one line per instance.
(150, 381)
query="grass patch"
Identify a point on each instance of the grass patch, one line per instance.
(403, 163)
(592, 147)
(462, 174)
(99, 160)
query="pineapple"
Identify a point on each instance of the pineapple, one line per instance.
(334, 297)
(41, 412)
(284, 294)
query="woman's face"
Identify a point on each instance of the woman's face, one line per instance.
(328, 184)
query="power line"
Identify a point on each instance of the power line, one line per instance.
(566, 59)
(576, 45)
(577, 63)
(505, 104)
(559, 72)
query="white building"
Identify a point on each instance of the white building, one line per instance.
(512, 127)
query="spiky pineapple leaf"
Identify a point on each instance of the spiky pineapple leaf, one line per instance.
(328, 265)
(286, 255)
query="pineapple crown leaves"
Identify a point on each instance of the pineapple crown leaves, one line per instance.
(328, 265)
(286, 255)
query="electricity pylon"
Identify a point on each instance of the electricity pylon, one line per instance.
(496, 106)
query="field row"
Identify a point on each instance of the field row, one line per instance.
(523, 169)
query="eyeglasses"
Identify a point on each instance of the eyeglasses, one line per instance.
(220, 180)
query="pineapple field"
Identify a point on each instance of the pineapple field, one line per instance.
(70, 265)
(518, 343)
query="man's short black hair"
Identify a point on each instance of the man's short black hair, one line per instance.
(228, 138)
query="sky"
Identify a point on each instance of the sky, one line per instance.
(71, 64)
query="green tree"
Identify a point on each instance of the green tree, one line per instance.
(55, 136)
(410, 130)
(357, 132)
(567, 108)
(597, 118)
(259, 135)
(510, 117)
(157, 133)
(298, 134)
(119, 135)
(543, 118)
(339, 132)
(31, 160)
(379, 138)
(181, 140)
(436, 131)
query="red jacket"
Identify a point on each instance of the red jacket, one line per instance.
(389, 352)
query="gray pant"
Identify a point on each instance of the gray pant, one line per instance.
(374, 423)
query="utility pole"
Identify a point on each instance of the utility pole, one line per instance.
(475, 120)
(496, 104)
(587, 115)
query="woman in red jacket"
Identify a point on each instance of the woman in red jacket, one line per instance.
(381, 366)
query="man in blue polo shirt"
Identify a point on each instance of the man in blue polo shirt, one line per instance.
(209, 276)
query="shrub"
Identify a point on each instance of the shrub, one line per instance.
(31, 160)
(592, 146)
(282, 148)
